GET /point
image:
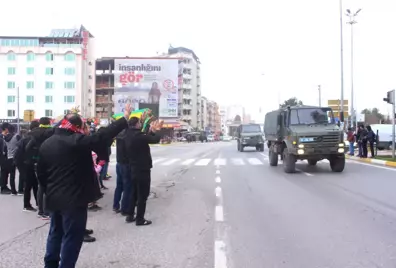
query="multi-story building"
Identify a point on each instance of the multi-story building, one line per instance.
(204, 116)
(190, 91)
(48, 75)
(223, 120)
(214, 122)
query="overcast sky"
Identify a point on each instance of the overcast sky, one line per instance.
(253, 52)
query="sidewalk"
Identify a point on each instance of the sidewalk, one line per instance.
(373, 161)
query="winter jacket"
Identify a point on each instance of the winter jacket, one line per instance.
(65, 166)
(11, 141)
(138, 148)
(121, 153)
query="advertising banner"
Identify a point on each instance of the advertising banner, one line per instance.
(147, 82)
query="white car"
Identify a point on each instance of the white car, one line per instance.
(227, 138)
(210, 137)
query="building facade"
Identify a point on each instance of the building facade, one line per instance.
(190, 90)
(214, 119)
(204, 116)
(223, 120)
(49, 75)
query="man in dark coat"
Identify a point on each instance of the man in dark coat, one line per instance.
(66, 173)
(139, 156)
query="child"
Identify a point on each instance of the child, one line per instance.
(98, 167)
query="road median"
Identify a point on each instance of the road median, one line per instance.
(373, 161)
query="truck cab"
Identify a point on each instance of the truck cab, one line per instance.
(304, 133)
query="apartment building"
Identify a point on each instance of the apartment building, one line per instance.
(214, 122)
(223, 120)
(190, 90)
(48, 75)
(204, 116)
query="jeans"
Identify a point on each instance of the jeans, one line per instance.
(123, 188)
(141, 182)
(8, 169)
(103, 173)
(31, 183)
(65, 238)
(351, 148)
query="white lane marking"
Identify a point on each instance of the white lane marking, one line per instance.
(203, 162)
(238, 161)
(370, 165)
(306, 173)
(378, 162)
(220, 254)
(170, 162)
(188, 162)
(218, 180)
(220, 162)
(157, 160)
(218, 191)
(254, 161)
(217, 171)
(219, 215)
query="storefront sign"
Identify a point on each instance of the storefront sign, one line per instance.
(85, 36)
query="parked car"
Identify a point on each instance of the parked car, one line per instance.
(227, 138)
(211, 138)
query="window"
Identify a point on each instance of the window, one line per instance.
(30, 70)
(310, 116)
(29, 99)
(10, 85)
(251, 128)
(11, 56)
(70, 85)
(10, 99)
(70, 57)
(30, 56)
(49, 85)
(49, 56)
(48, 99)
(70, 71)
(29, 84)
(48, 113)
(49, 71)
(11, 70)
(66, 112)
(11, 113)
(69, 99)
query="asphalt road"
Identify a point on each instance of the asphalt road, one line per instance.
(212, 206)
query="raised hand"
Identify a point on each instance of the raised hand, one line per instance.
(127, 111)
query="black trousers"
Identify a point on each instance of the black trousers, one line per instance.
(372, 149)
(364, 148)
(8, 169)
(31, 183)
(141, 182)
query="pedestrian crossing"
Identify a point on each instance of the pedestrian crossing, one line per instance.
(251, 161)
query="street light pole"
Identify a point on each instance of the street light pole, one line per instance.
(352, 21)
(342, 65)
(18, 123)
(320, 96)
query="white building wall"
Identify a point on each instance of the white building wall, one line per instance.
(58, 92)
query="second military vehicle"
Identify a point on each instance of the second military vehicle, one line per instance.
(249, 135)
(304, 133)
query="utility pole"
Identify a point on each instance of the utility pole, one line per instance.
(390, 98)
(351, 22)
(342, 65)
(320, 96)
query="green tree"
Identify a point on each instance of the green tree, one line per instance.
(291, 102)
(375, 112)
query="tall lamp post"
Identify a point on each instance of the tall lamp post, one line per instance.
(342, 65)
(352, 21)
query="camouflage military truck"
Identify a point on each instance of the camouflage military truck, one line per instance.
(249, 135)
(304, 133)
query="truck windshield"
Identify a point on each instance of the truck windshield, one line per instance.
(251, 129)
(309, 116)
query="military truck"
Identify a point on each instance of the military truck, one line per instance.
(249, 135)
(304, 133)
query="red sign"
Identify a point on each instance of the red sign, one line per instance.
(130, 77)
(85, 35)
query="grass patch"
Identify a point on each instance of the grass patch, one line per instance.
(385, 157)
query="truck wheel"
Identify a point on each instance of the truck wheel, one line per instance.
(241, 148)
(289, 162)
(337, 163)
(261, 147)
(273, 158)
(312, 162)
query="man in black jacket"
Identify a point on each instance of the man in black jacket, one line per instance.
(122, 192)
(140, 161)
(8, 167)
(66, 173)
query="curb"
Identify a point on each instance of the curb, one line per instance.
(372, 161)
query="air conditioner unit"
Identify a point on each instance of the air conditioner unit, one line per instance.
(90, 90)
(90, 63)
(90, 76)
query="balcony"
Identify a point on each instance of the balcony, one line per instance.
(187, 106)
(187, 86)
(187, 96)
(187, 76)
(186, 117)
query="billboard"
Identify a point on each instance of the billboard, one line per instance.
(147, 82)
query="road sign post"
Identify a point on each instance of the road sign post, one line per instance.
(390, 98)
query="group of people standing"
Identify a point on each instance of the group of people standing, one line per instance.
(66, 162)
(364, 136)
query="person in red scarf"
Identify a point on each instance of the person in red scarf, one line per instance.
(65, 171)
